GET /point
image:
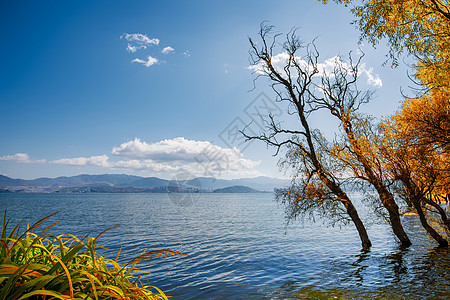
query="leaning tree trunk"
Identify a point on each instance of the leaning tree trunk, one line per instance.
(351, 211)
(386, 198)
(394, 216)
(440, 210)
(434, 234)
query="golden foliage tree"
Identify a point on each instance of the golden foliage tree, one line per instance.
(426, 120)
(418, 136)
(417, 168)
(416, 27)
(358, 150)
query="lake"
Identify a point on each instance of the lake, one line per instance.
(239, 246)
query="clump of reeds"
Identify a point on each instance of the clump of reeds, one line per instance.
(38, 266)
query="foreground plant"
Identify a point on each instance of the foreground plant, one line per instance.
(38, 266)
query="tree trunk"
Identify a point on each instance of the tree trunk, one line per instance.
(351, 211)
(394, 216)
(397, 227)
(434, 234)
(440, 210)
(386, 198)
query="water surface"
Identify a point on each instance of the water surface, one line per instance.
(239, 247)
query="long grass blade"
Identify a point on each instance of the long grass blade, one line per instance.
(4, 225)
(106, 230)
(35, 225)
(11, 282)
(69, 279)
(154, 254)
(45, 293)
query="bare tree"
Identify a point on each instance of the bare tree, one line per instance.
(316, 186)
(340, 96)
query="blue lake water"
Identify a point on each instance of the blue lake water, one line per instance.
(239, 247)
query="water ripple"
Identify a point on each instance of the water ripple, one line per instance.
(239, 247)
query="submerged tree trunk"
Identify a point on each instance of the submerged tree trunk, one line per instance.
(440, 210)
(397, 227)
(434, 234)
(351, 211)
(386, 197)
(350, 208)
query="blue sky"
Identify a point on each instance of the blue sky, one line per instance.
(86, 88)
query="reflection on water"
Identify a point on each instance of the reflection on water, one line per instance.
(239, 247)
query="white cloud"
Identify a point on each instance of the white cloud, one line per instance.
(372, 79)
(167, 150)
(167, 157)
(201, 158)
(131, 48)
(148, 164)
(280, 60)
(99, 161)
(167, 50)
(21, 157)
(149, 62)
(104, 162)
(140, 39)
(186, 53)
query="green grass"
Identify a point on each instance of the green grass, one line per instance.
(40, 266)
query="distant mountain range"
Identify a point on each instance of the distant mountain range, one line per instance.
(120, 183)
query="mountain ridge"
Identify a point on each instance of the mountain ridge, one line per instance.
(123, 181)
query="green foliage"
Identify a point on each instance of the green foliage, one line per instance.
(38, 266)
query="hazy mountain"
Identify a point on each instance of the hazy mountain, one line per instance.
(130, 181)
(261, 183)
(73, 181)
(236, 189)
(148, 182)
(7, 182)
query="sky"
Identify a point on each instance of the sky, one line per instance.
(156, 88)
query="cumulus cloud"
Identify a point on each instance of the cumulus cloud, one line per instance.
(372, 79)
(177, 149)
(131, 48)
(167, 50)
(167, 157)
(148, 63)
(99, 161)
(139, 39)
(148, 164)
(280, 60)
(138, 42)
(21, 157)
(179, 154)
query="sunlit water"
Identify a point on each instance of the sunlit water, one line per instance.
(239, 247)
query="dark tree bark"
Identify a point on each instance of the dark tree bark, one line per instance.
(441, 211)
(423, 220)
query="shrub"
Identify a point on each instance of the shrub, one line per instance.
(39, 266)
